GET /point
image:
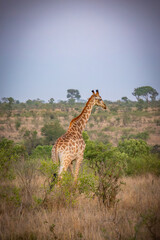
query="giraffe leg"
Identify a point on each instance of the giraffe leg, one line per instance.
(64, 164)
(71, 168)
(78, 163)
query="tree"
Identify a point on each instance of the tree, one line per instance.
(8, 104)
(51, 101)
(154, 94)
(145, 92)
(125, 99)
(52, 132)
(73, 94)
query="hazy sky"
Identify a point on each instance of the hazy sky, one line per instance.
(47, 47)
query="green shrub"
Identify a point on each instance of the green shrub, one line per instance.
(52, 132)
(66, 194)
(87, 181)
(139, 160)
(9, 154)
(48, 168)
(108, 165)
(42, 152)
(31, 140)
(142, 135)
(133, 147)
(17, 124)
(11, 195)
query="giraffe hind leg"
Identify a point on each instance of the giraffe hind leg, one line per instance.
(64, 164)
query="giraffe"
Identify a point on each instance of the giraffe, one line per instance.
(70, 146)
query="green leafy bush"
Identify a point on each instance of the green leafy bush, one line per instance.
(140, 160)
(42, 152)
(108, 165)
(31, 140)
(9, 153)
(52, 132)
(17, 124)
(48, 168)
(133, 147)
(64, 194)
(11, 194)
(87, 181)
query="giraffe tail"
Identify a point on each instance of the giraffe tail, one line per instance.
(54, 154)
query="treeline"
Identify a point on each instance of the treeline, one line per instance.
(145, 96)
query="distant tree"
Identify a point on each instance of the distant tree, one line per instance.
(9, 101)
(154, 94)
(73, 94)
(8, 104)
(145, 92)
(51, 101)
(125, 99)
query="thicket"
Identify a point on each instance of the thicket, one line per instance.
(100, 175)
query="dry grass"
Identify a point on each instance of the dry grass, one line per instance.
(137, 215)
(36, 118)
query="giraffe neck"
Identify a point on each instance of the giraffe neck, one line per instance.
(79, 123)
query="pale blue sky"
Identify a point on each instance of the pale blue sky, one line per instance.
(48, 47)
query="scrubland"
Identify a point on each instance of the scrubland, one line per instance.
(117, 196)
(135, 216)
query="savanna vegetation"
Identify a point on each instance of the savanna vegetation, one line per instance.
(117, 195)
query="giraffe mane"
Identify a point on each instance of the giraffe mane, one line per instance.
(74, 119)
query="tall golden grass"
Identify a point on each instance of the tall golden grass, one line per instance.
(136, 216)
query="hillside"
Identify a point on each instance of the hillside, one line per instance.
(122, 121)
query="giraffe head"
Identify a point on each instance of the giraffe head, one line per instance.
(98, 100)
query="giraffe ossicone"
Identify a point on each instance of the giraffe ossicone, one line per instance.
(71, 145)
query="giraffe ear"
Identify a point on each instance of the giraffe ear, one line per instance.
(97, 92)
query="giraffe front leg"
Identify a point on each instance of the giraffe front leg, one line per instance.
(78, 163)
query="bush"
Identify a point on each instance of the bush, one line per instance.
(17, 124)
(133, 147)
(9, 153)
(52, 132)
(63, 195)
(42, 152)
(142, 135)
(31, 140)
(108, 165)
(143, 164)
(139, 160)
(87, 181)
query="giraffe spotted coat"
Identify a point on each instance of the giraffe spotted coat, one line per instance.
(71, 145)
